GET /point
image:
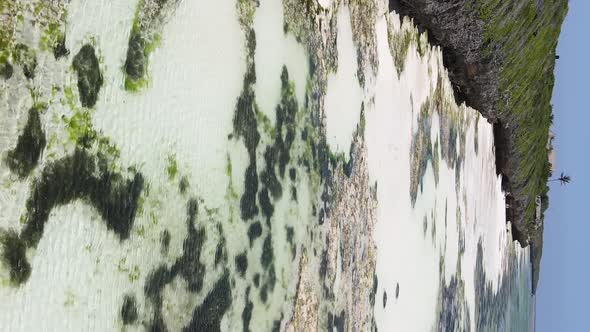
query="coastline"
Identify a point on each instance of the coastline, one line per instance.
(476, 54)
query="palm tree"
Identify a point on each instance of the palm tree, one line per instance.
(563, 179)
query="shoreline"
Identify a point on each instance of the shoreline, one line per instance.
(478, 56)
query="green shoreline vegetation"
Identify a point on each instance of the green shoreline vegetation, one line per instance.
(526, 37)
(501, 58)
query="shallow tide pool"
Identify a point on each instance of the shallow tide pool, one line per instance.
(244, 166)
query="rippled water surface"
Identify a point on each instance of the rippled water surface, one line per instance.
(221, 165)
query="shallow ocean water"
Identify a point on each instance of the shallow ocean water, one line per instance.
(241, 179)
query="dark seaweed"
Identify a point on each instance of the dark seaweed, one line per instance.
(27, 59)
(247, 312)
(244, 121)
(78, 176)
(321, 216)
(276, 326)
(248, 206)
(256, 279)
(183, 185)
(155, 282)
(165, 241)
(267, 252)
(251, 42)
(294, 193)
(245, 126)
(265, 204)
(347, 166)
(254, 232)
(373, 290)
(336, 321)
(264, 293)
(82, 176)
(290, 234)
(285, 114)
(219, 254)
(272, 277)
(189, 264)
(323, 264)
(135, 61)
(241, 261)
(207, 317)
(89, 76)
(6, 70)
(14, 255)
(59, 49)
(268, 175)
(25, 156)
(129, 309)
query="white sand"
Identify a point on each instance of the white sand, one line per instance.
(342, 105)
(399, 232)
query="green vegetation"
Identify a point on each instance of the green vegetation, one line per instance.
(526, 35)
(26, 58)
(143, 40)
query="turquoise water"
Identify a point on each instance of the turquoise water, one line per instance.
(509, 308)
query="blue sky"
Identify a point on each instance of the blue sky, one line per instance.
(564, 285)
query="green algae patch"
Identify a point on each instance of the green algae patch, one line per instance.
(89, 76)
(144, 38)
(52, 38)
(25, 156)
(26, 58)
(136, 62)
(171, 167)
